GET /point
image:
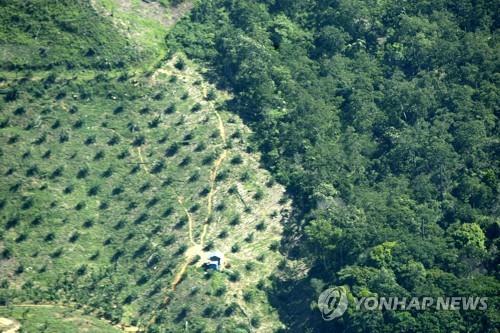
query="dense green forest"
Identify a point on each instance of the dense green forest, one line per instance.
(381, 118)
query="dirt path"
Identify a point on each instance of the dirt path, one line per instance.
(222, 129)
(8, 325)
(213, 176)
(180, 199)
(197, 248)
(143, 164)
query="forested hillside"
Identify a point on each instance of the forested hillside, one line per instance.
(381, 118)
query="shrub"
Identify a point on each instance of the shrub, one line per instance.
(74, 237)
(63, 137)
(210, 95)
(249, 238)
(123, 154)
(152, 202)
(237, 159)
(170, 109)
(167, 212)
(230, 309)
(12, 222)
(56, 173)
(135, 169)
(88, 223)
(235, 220)
(255, 322)
(154, 122)
(245, 176)
(194, 208)
(185, 161)
(172, 150)
(78, 124)
(142, 218)
(210, 311)
(139, 141)
(115, 139)
(56, 253)
(182, 222)
(117, 190)
(27, 203)
(32, 171)
(209, 246)
(168, 240)
(236, 135)
(119, 225)
(181, 250)
(258, 195)
(93, 191)
(68, 189)
(235, 248)
(21, 238)
(144, 187)
(95, 255)
(19, 270)
(82, 173)
(261, 226)
(118, 110)
(19, 111)
(204, 192)
(220, 207)
(222, 175)
(200, 147)
(36, 221)
(208, 159)
(89, 140)
(107, 173)
(274, 246)
(180, 64)
(196, 107)
(56, 124)
(223, 234)
(194, 177)
(234, 276)
(250, 266)
(117, 255)
(248, 296)
(158, 167)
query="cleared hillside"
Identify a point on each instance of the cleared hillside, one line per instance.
(115, 184)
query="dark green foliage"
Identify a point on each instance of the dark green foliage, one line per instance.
(235, 276)
(235, 248)
(380, 119)
(180, 64)
(172, 150)
(139, 141)
(196, 107)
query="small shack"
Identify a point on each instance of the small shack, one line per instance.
(215, 260)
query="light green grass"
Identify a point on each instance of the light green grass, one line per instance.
(55, 319)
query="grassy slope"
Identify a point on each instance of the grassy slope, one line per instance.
(42, 34)
(90, 221)
(55, 319)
